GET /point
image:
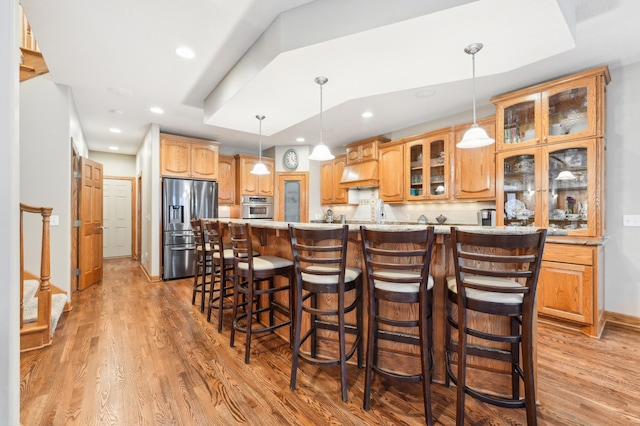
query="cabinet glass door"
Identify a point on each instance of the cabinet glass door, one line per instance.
(569, 111)
(416, 156)
(437, 169)
(569, 197)
(519, 121)
(520, 189)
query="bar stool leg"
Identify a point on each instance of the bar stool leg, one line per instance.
(371, 351)
(425, 336)
(250, 302)
(236, 296)
(462, 365)
(296, 334)
(343, 347)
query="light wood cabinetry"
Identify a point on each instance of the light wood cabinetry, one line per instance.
(564, 109)
(249, 184)
(533, 192)
(566, 290)
(550, 173)
(226, 180)
(330, 174)
(185, 157)
(427, 169)
(391, 169)
(364, 150)
(474, 169)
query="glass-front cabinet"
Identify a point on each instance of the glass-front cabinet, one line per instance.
(550, 186)
(428, 174)
(519, 121)
(562, 112)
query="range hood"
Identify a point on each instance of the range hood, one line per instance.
(360, 175)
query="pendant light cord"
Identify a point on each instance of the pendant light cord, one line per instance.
(321, 112)
(260, 118)
(473, 66)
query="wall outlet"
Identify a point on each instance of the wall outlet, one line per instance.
(628, 220)
(54, 220)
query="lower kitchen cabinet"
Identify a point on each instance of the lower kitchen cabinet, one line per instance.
(570, 290)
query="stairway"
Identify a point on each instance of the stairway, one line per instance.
(30, 313)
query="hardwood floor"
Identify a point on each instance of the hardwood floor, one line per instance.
(138, 353)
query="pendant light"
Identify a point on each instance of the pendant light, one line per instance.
(476, 136)
(321, 151)
(260, 168)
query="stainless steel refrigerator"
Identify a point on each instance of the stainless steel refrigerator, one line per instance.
(183, 200)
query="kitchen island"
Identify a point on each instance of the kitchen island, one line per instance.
(272, 238)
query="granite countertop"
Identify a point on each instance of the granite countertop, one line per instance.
(439, 229)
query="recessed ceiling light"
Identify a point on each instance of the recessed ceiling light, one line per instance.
(115, 130)
(156, 110)
(185, 52)
(367, 114)
(299, 139)
(113, 148)
(425, 93)
(116, 111)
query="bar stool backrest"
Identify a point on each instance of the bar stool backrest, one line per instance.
(514, 257)
(214, 237)
(393, 251)
(320, 252)
(198, 227)
(242, 246)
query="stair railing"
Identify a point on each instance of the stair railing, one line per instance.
(44, 290)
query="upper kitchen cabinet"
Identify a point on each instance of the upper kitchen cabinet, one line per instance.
(330, 173)
(250, 184)
(185, 157)
(564, 109)
(391, 162)
(552, 186)
(364, 150)
(475, 168)
(428, 173)
(226, 180)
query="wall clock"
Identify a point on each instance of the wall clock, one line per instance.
(291, 159)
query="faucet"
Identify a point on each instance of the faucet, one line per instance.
(379, 211)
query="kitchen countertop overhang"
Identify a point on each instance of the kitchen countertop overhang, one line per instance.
(439, 229)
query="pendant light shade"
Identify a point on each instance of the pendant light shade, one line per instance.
(476, 136)
(321, 151)
(260, 168)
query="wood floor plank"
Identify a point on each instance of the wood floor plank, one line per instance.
(138, 353)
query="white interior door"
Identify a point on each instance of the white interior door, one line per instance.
(117, 217)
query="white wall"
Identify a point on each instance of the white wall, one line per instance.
(622, 196)
(148, 166)
(9, 216)
(120, 165)
(46, 114)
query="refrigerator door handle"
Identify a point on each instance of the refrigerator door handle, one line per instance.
(183, 248)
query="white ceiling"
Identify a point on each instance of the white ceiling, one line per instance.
(261, 57)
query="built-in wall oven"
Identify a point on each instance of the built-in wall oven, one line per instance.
(257, 207)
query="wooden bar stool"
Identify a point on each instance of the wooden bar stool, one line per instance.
(249, 271)
(202, 263)
(397, 271)
(496, 275)
(320, 267)
(221, 292)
